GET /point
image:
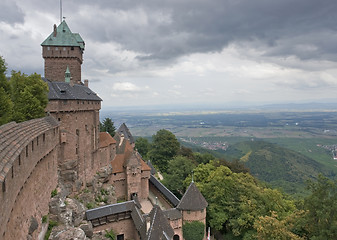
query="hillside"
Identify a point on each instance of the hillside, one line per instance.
(278, 166)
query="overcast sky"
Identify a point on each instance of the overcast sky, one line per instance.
(217, 52)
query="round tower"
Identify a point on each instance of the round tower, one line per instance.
(60, 50)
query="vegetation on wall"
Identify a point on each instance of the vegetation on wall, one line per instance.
(193, 230)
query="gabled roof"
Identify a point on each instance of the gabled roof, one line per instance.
(160, 228)
(105, 139)
(65, 91)
(123, 129)
(192, 200)
(124, 154)
(62, 36)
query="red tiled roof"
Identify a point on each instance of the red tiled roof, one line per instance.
(105, 139)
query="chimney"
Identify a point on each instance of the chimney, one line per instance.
(86, 82)
(55, 32)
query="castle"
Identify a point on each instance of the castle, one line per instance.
(67, 148)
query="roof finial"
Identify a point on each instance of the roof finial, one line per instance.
(192, 175)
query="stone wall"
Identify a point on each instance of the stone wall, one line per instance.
(125, 226)
(119, 182)
(58, 58)
(79, 160)
(29, 174)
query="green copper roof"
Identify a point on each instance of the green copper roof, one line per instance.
(64, 37)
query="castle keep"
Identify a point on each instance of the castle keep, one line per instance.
(67, 149)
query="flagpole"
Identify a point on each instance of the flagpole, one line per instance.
(60, 11)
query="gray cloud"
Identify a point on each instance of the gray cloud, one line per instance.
(175, 28)
(10, 12)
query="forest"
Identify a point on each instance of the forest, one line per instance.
(240, 205)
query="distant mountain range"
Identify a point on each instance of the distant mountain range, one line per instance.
(330, 105)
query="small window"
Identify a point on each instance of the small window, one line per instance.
(59, 119)
(32, 145)
(4, 185)
(120, 237)
(48, 48)
(19, 160)
(26, 151)
(64, 49)
(76, 150)
(72, 48)
(44, 137)
(13, 172)
(77, 132)
(56, 48)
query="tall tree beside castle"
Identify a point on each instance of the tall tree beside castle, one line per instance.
(22, 97)
(6, 105)
(165, 146)
(108, 126)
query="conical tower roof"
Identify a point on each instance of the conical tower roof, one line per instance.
(192, 200)
(62, 36)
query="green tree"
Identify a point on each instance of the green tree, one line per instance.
(29, 96)
(143, 146)
(6, 105)
(178, 169)
(237, 200)
(165, 146)
(108, 126)
(322, 209)
(272, 228)
(193, 230)
(203, 158)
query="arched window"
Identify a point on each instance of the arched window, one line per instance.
(176, 237)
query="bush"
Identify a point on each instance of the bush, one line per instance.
(90, 205)
(50, 227)
(53, 193)
(45, 219)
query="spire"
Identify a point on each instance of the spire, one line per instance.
(193, 199)
(67, 75)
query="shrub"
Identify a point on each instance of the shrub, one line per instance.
(53, 193)
(110, 234)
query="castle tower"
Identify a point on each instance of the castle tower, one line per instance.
(63, 48)
(193, 206)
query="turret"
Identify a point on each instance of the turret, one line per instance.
(193, 206)
(60, 50)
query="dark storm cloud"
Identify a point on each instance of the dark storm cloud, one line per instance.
(304, 28)
(10, 12)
